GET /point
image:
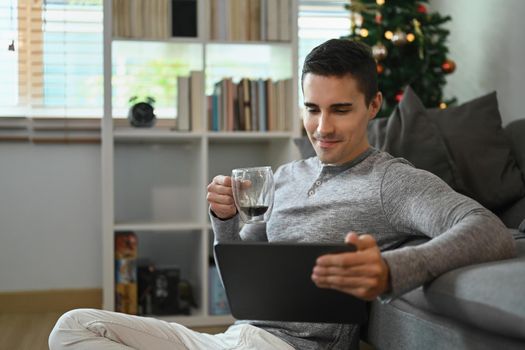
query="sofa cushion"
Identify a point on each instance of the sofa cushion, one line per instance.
(515, 131)
(488, 296)
(409, 133)
(513, 215)
(481, 151)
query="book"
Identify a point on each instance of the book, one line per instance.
(261, 101)
(284, 20)
(215, 112)
(183, 104)
(263, 20)
(254, 107)
(246, 104)
(254, 20)
(184, 18)
(270, 108)
(196, 96)
(231, 95)
(272, 20)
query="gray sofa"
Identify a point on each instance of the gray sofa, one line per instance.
(479, 306)
(474, 307)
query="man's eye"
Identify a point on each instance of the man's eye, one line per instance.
(312, 110)
(341, 111)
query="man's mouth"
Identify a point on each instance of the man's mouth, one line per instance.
(326, 143)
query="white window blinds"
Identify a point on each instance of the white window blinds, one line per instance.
(53, 70)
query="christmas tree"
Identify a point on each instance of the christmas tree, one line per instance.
(409, 45)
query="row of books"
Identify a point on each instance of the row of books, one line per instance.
(231, 20)
(154, 19)
(251, 105)
(250, 20)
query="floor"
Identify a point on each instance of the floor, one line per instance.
(28, 331)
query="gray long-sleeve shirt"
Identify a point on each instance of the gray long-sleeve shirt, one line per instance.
(383, 196)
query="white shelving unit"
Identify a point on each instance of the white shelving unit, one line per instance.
(154, 181)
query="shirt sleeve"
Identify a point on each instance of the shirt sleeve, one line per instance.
(463, 232)
(231, 230)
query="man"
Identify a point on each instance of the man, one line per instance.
(349, 192)
(352, 187)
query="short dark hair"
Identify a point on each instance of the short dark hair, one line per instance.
(339, 57)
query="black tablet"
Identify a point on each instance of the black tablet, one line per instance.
(272, 281)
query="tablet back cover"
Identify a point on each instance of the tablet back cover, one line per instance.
(272, 281)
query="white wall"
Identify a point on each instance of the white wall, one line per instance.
(50, 217)
(488, 45)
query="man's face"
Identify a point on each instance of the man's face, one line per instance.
(336, 117)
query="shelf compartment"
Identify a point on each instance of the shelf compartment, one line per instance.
(250, 153)
(150, 68)
(158, 182)
(254, 61)
(176, 251)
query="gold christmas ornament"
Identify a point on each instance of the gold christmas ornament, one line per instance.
(389, 35)
(379, 51)
(399, 38)
(380, 2)
(411, 37)
(363, 32)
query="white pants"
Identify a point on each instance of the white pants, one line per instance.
(97, 329)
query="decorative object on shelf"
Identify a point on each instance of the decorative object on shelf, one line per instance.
(126, 272)
(161, 291)
(141, 114)
(415, 51)
(165, 293)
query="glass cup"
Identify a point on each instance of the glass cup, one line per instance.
(253, 191)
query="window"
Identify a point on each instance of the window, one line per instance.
(55, 69)
(319, 21)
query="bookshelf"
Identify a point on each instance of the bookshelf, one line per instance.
(154, 179)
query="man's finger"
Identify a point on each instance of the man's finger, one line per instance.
(340, 282)
(361, 242)
(343, 259)
(223, 180)
(219, 198)
(220, 189)
(367, 270)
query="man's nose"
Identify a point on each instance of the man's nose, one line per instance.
(325, 125)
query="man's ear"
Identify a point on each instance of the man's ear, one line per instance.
(375, 105)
